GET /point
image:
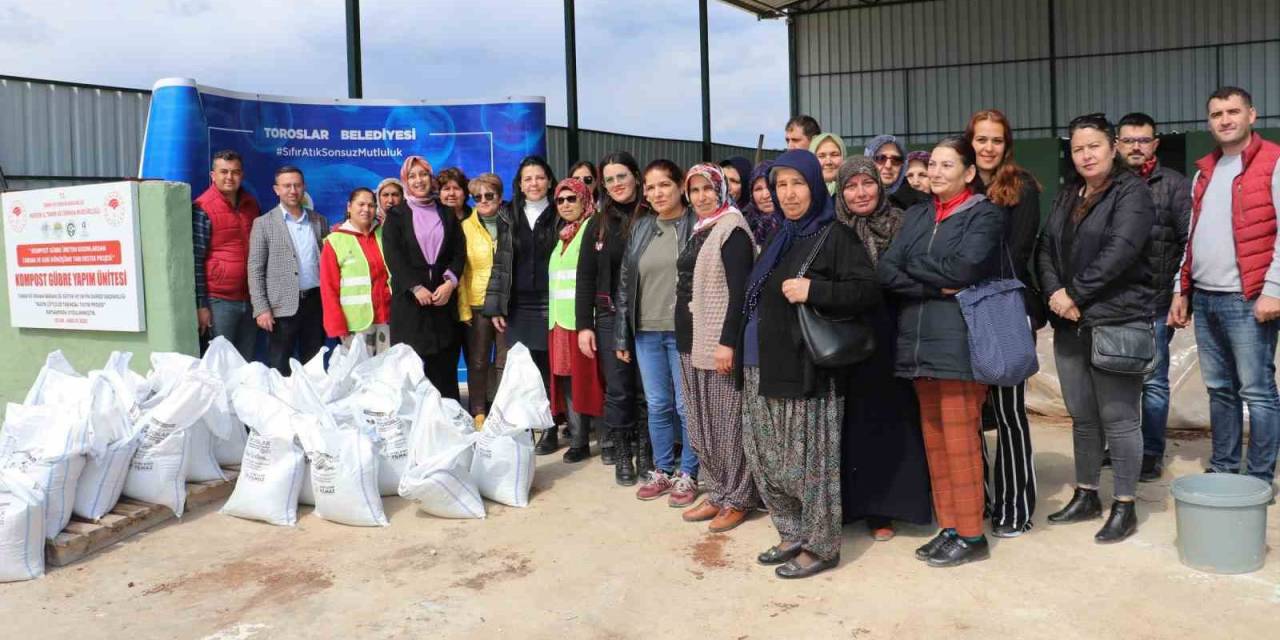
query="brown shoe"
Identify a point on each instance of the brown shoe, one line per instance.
(704, 511)
(727, 519)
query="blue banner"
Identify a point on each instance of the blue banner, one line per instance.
(339, 144)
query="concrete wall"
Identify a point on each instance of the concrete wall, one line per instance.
(168, 279)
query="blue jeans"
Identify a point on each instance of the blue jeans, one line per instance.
(1155, 392)
(659, 365)
(1237, 360)
(234, 321)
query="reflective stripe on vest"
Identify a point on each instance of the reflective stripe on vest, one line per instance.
(562, 282)
(355, 286)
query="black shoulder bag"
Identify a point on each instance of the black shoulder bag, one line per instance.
(832, 342)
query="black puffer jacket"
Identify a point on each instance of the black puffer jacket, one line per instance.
(628, 300)
(1171, 192)
(926, 257)
(1107, 273)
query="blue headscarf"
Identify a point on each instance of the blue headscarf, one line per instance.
(821, 212)
(762, 224)
(743, 167)
(874, 146)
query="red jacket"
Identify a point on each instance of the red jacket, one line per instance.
(1253, 213)
(226, 262)
(335, 323)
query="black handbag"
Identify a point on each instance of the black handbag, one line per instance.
(1126, 349)
(832, 342)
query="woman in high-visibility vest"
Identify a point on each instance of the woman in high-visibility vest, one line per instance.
(577, 388)
(354, 288)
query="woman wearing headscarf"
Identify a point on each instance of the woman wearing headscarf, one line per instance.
(792, 409)
(883, 472)
(426, 254)
(737, 170)
(390, 192)
(577, 390)
(918, 171)
(710, 285)
(516, 301)
(598, 281)
(891, 159)
(943, 247)
(761, 214)
(1011, 485)
(829, 149)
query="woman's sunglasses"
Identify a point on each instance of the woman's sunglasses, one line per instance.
(484, 197)
(566, 199)
(884, 158)
(587, 180)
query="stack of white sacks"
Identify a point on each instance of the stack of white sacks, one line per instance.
(337, 438)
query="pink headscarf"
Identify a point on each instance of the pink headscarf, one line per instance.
(404, 177)
(715, 176)
(580, 189)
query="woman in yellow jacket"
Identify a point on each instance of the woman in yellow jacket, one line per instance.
(483, 343)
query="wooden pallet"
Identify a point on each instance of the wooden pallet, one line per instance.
(82, 538)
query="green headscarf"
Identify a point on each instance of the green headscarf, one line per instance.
(813, 148)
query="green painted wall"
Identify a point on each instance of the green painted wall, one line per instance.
(169, 284)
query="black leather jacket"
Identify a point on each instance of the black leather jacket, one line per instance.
(629, 275)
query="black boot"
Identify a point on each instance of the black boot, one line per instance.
(1152, 468)
(579, 438)
(1121, 524)
(549, 443)
(1084, 505)
(644, 452)
(608, 450)
(624, 471)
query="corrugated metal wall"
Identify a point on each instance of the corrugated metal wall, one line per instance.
(919, 68)
(60, 133)
(51, 131)
(593, 145)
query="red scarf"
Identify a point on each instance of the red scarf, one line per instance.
(943, 210)
(1147, 167)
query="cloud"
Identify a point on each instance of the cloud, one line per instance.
(638, 61)
(20, 27)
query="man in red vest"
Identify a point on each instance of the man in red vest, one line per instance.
(1230, 279)
(221, 221)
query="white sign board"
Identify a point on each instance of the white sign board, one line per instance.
(74, 258)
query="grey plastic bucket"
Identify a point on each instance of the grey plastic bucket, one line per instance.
(1222, 522)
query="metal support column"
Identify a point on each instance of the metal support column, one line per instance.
(793, 81)
(571, 81)
(355, 78)
(705, 50)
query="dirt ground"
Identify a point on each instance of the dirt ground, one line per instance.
(587, 560)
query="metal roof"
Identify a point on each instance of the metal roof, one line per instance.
(787, 8)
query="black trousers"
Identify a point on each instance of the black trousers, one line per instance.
(441, 369)
(623, 395)
(1010, 483)
(300, 335)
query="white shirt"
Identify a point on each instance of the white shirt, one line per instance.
(533, 210)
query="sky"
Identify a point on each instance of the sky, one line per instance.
(638, 67)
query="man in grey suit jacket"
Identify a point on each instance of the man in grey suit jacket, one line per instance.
(284, 273)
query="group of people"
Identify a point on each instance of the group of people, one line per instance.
(674, 313)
